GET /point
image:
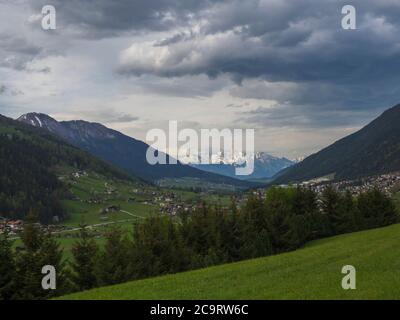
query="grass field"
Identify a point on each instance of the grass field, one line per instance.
(313, 272)
(81, 211)
(91, 193)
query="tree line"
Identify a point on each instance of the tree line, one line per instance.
(283, 220)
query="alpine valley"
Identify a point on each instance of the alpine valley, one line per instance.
(129, 154)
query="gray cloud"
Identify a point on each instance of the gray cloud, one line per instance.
(295, 51)
(308, 116)
(17, 52)
(184, 87)
(104, 18)
(291, 54)
(123, 118)
(301, 42)
(237, 106)
(107, 116)
(5, 90)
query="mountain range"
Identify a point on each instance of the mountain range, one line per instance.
(122, 151)
(265, 166)
(375, 149)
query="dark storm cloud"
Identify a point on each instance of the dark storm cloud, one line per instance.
(104, 18)
(320, 73)
(281, 41)
(17, 52)
(305, 116)
(293, 52)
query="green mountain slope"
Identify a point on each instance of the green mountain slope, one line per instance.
(313, 272)
(375, 149)
(30, 159)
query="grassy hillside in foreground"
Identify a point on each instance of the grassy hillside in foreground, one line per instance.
(313, 272)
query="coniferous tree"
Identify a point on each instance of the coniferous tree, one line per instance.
(157, 248)
(331, 208)
(51, 254)
(7, 267)
(112, 265)
(28, 279)
(305, 209)
(233, 233)
(255, 229)
(279, 206)
(348, 214)
(376, 209)
(85, 252)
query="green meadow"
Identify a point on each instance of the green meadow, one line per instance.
(313, 272)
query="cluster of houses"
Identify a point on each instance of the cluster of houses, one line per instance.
(79, 174)
(173, 209)
(387, 183)
(169, 203)
(13, 226)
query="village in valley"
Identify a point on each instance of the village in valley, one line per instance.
(388, 183)
(171, 202)
(107, 199)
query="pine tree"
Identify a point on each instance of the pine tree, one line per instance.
(51, 254)
(28, 266)
(305, 209)
(348, 215)
(113, 263)
(255, 229)
(85, 252)
(32, 236)
(7, 267)
(331, 202)
(280, 218)
(158, 248)
(376, 209)
(233, 233)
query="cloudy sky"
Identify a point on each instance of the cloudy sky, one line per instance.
(283, 67)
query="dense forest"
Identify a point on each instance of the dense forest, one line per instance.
(282, 221)
(28, 159)
(26, 181)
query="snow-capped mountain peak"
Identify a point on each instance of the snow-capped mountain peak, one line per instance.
(265, 165)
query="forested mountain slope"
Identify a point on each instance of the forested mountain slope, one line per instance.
(29, 158)
(375, 149)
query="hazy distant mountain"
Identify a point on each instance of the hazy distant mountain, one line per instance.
(120, 150)
(265, 166)
(374, 149)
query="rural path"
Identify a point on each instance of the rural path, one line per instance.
(132, 215)
(97, 224)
